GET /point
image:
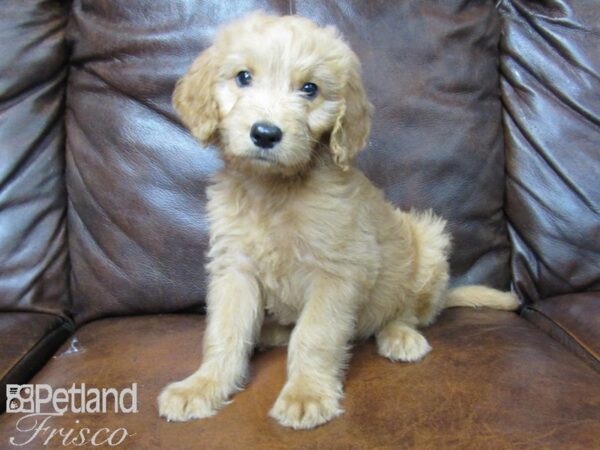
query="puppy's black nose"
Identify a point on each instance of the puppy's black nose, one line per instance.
(265, 135)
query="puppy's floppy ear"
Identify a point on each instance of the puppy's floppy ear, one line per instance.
(193, 97)
(353, 122)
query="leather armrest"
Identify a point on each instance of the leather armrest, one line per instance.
(572, 319)
(28, 341)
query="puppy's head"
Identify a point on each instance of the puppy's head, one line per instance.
(275, 93)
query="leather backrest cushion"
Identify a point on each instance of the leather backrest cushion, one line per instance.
(33, 237)
(551, 94)
(136, 179)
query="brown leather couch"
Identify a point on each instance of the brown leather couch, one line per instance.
(487, 112)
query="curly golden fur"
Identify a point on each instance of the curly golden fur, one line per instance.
(305, 251)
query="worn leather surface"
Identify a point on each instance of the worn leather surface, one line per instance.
(136, 179)
(493, 381)
(27, 341)
(550, 61)
(33, 243)
(572, 319)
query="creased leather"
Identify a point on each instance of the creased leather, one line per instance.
(550, 65)
(33, 240)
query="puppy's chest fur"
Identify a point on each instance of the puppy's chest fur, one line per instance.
(282, 235)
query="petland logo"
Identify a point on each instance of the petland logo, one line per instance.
(31, 399)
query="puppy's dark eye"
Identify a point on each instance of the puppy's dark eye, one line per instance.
(310, 90)
(243, 78)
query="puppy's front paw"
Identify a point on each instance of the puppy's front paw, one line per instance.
(301, 407)
(192, 398)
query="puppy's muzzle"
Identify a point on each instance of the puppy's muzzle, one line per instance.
(265, 135)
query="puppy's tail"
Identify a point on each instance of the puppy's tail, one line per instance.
(477, 296)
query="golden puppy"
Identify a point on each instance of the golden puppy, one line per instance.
(297, 233)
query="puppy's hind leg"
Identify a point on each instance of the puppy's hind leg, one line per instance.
(398, 341)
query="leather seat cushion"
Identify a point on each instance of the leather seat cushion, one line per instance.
(492, 380)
